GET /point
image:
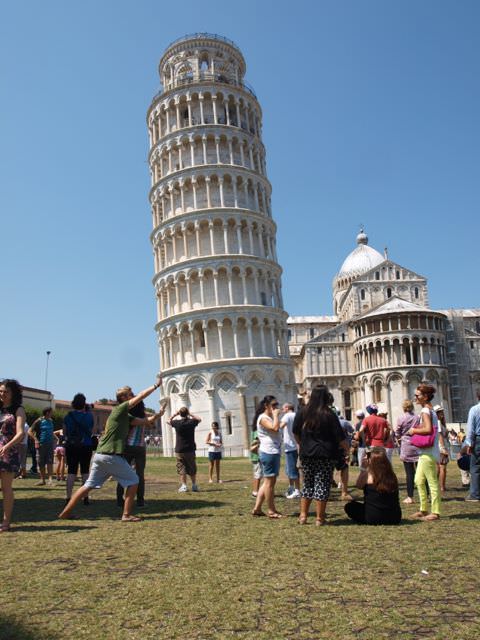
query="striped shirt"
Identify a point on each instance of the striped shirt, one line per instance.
(136, 437)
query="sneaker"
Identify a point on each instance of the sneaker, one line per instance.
(195, 488)
(294, 494)
(182, 488)
(470, 499)
(288, 492)
(254, 494)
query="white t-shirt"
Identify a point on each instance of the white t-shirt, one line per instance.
(217, 439)
(435, 450)
(289, 442)
(270, 441)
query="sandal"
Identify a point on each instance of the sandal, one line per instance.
(419, 514)
(431, 517)
(319, 522)
(4, 528)
(275, 515)
(258, 514)
(72, 516)
(131, 519)
(302, 520)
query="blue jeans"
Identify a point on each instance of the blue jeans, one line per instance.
(291, 470)
(475, 471)
(270, 464)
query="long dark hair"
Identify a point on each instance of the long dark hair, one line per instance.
(317, 408)
(262, 405)
(17, 394)
(384, 478)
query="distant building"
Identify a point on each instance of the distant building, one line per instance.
(384, 340)
(37, 398)
(100, 412)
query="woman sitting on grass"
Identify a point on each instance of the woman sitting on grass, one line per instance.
(380, 488)
(318, 432)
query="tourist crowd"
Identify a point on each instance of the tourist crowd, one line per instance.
(319, 445)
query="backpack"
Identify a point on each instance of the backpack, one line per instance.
(74, 434)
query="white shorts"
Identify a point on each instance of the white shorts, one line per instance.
(105, 465)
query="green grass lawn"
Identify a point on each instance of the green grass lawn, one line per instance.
(199, 566)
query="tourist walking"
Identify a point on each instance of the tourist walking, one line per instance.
(444, 446)
(374, 428)
(22, 452)
(185, 447)
(108, 459)
(214, 441)
(319, 435)
(360, 415)
(256, 466)
(426, 472)
(42, 433)
(380, 490)
(267, 424)
(77, 433)
(342, 464)
(12, 421)
(472, 442)
(408, 453)
(60, 455)
(389, 441)
(291, 451)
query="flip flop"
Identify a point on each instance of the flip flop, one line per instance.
(258, 514)
(131, 519)
(275, 515)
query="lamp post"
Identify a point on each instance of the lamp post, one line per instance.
(46, 369)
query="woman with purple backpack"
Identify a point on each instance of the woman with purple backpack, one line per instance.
(425, 437)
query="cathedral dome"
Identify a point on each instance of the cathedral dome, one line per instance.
(361, 259)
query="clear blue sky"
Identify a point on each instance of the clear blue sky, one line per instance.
(370, 115)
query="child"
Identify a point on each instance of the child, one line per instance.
(257, 467)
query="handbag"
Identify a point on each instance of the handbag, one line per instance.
(425, 441)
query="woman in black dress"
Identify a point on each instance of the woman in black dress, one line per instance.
(380, 487)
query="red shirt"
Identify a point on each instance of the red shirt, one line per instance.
(375, 429)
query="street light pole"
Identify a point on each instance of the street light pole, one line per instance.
(46, 369)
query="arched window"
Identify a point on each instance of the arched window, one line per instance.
(228, 423)
(362, 294)
(389, 293)
(377, 275)
(416, 292)
(347, 404)
(477, 326)
(397, 275)
(378, 391)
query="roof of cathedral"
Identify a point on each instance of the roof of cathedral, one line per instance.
(361, 259)
(311, 319)
(396, 304)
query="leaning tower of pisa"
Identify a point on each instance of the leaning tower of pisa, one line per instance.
(221, 326)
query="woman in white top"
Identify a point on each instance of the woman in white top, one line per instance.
(267, 425)
(214, 441)
(429, 457)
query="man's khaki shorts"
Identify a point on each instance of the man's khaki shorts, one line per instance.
(186, 463)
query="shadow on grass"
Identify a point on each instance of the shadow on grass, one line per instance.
(41, 509)
(53, 527)
(11, 629)
(464, 516)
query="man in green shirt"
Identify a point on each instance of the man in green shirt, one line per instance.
(108, 459)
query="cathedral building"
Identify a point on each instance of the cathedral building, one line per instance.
(221, 326)
(383, 340)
